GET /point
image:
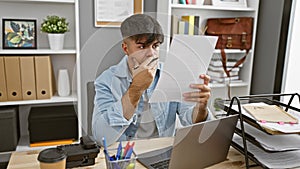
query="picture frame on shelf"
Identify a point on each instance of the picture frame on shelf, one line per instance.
(230, 3)
(19, 34)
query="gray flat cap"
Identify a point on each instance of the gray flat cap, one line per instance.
(140, 24)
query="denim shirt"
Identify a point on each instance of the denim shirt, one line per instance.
(108, 120)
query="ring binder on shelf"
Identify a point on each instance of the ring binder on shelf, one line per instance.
(28, 77)
(13, 78)
(44, 77)
(3, 90)
(234, 106)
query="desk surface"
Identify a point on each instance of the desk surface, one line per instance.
(28, 159)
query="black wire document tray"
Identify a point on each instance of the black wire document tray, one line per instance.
(235, 106)
(261, 141)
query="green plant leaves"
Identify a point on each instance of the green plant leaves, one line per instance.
(55, 24)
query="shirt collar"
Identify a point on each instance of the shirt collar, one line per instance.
(118, 69)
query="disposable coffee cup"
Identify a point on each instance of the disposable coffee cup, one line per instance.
(52, 158)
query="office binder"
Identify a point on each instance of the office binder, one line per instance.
(3, 92)
(13, 78)
(44, 77)
(28, 77)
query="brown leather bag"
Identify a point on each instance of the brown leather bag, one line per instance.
(234, 33)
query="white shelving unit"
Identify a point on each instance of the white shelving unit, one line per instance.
(167, 8)
(54, 99)
(37, 52)
(67, 58)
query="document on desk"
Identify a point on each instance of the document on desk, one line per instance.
(284, 128)
(285, 159)
(188, 57)
(270, 113)
(281, 142)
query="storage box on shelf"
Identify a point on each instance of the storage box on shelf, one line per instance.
(257, 140)
(9, 126)
(67, 58)
(168, 10)
(52, 123)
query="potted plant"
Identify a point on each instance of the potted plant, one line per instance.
(56, 27)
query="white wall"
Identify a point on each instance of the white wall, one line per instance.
(291, 77)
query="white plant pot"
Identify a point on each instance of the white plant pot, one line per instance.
(63, 83)
(56, 41)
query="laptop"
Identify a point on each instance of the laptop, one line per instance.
(196, 146)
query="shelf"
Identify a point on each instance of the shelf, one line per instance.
(211, 7)
(67, 58)
(232, 84)
(23, 145)
(37, 51)
(46, 1)
(219, 90)
(5, 156)
(54, 99)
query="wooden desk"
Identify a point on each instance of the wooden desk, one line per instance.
(28, 159)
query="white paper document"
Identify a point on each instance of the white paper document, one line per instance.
(284, 128)
(188, 57)
(282, 142)
(285, 159)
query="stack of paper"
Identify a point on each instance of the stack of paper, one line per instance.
(282, 142)
(275, 151)
(285, 159)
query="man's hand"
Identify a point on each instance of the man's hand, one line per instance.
(201, 97)
(143, 75)
(149, 64)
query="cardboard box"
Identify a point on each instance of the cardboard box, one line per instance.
(52, 123)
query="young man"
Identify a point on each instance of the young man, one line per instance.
(122, 111)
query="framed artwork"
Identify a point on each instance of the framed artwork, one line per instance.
(111, 13)
(230, 3)
(19, 34)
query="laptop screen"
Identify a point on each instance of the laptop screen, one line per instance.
(197, 146)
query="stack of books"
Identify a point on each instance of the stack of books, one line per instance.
(217, 73)
(187, 24)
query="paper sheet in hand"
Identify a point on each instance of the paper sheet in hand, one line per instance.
(188, 57)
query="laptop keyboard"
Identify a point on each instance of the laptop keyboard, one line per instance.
(157, 159)
(164, 164)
